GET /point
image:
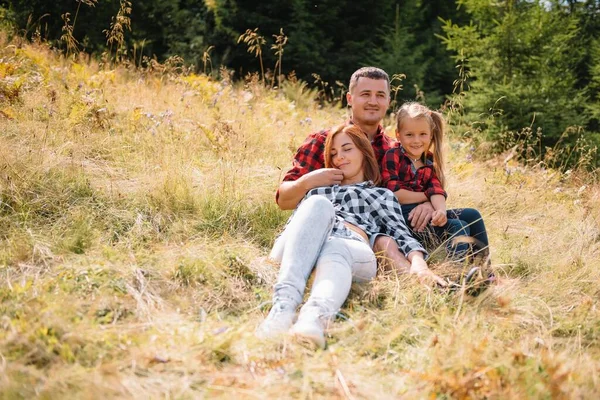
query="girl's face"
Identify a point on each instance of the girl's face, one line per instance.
(348, 158)
(415, 136)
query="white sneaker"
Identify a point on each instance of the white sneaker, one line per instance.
(309, 330)
(280, 319)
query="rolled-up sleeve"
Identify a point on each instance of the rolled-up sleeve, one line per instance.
(435, 187)
(392, 224)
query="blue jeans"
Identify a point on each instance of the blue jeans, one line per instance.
(464, 231)
(306, 243)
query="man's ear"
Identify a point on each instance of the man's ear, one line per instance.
(349, 98)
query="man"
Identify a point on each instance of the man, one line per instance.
(369, 98)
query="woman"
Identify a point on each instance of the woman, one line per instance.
(333, 229)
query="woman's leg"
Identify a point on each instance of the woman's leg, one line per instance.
(299, 247)
(340, 262)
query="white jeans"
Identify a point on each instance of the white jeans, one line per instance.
(305, 243)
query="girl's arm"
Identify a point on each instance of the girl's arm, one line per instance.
(439, 217)
(438, 202)
(409, 197)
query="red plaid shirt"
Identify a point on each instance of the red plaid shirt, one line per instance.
(310, 155)
(398, 172)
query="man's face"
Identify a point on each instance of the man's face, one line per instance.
(369, 100)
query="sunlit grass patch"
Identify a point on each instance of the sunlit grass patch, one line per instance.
(136, 213)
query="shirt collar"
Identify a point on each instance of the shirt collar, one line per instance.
(365, 184)
(428, 160)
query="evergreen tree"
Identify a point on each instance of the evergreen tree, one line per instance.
(402, 55)
(522, 58)
(410, 46)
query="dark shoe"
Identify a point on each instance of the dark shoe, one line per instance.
(476, 281)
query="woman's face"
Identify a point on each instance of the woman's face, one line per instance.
(348, 158)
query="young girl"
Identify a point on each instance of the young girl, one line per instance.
(333, 230)
(413, 170)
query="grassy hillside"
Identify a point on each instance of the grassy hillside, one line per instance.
(135, 212)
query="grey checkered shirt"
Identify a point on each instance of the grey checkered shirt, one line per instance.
(373, 209)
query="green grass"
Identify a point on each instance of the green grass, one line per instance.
(136, 211)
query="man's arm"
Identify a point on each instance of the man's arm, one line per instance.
(420, 216)
(291, 192)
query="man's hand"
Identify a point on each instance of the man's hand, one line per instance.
(439, 218)
(322, 177)
(420, 216)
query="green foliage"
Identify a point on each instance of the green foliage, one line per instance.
(521, 57)
(402, 54)
(410, 47)
(223, 214)
(593, 106)
(328, 38)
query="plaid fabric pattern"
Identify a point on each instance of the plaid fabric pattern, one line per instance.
(310, 155)
(398, 172)
(372, 209)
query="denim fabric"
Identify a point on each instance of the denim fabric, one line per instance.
(299, 246)
(305, 243)
(461, 222)
(341, 261)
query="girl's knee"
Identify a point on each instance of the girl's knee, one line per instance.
(471, 214)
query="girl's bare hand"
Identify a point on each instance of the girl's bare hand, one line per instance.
(439, 218)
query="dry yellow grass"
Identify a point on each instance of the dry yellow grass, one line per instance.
(135, 211)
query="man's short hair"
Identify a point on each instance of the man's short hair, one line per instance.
(368, 72)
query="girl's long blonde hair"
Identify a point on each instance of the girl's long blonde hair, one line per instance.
(362, 143)
(437, 125)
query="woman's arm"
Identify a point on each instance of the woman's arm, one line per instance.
(388, 217)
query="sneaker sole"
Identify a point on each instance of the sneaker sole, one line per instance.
(312, 342)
